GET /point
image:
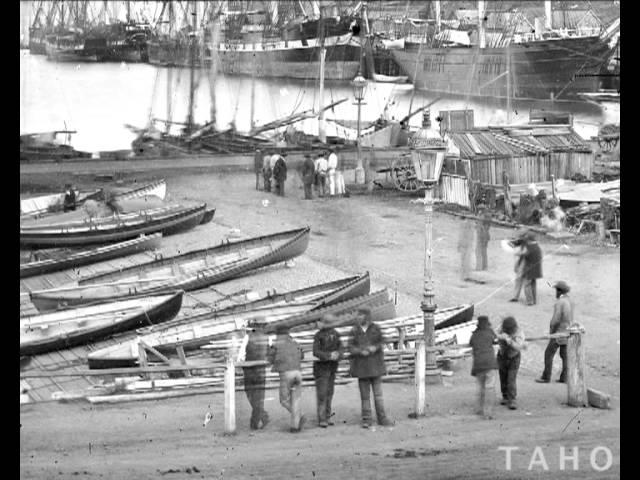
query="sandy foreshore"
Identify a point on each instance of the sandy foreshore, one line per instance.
(384, 234)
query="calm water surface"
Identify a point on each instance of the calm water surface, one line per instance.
(98, 99)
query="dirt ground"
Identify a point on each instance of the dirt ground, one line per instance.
(384, 234)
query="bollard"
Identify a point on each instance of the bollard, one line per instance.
(230, 397)
(576, 381)
(420, 369)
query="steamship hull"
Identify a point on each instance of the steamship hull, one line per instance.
(557, 69)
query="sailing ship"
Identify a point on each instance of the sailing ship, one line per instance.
(497, 55)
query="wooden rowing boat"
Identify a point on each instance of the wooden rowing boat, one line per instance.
(189, 271)
(68, 328)
(51, 203)
(61, 259)
(167, 220)
(208, 215)
(193, 333)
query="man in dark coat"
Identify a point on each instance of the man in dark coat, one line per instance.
(69, 198)
(532, 268)
(285, 356)
(254, 377)
(511, 342)
(327, 348)
(266, 172)
(560, 322)
(367, 364)
(483, 225)
(484, 365)
(258, 162)
(280, 174)
(308, 176)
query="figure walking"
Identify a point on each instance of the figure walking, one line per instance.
(560, 321)
(327, 348)
(484, 366)
(511, 342)
(254, 377)
(465, 244)
(321, 173)
(285, 356)
(367, 364)
(519, 251)
(532, 268)
(483, 225)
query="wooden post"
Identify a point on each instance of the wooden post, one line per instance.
(554, 192)
(401, 341)
(230, 397)
(507, 195)
(142, 359)
(576, 382)
(183, 359)
(420, 370)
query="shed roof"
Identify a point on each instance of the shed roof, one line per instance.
(517, 141)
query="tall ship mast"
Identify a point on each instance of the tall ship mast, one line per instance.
(489, 53)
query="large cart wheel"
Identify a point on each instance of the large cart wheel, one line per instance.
(404, 175)
(607, 144)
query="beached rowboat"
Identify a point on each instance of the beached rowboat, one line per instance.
(61, 259)
(49, 203)
(68, 328)
(189, 271)
(167, 219)
(198, 331)
(157, 189)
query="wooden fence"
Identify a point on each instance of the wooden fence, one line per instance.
(532, 168)
(454, 189)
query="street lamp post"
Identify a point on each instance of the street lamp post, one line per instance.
(428, 151)
(428, 306)
(359, 84)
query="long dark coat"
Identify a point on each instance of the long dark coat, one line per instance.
(532, 261)
(371, 365)
(308, 172)
(484, 358)
(280, 170)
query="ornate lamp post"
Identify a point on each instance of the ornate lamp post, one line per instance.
(427, 151)
(359, 84)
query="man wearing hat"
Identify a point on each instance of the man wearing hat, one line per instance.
(254, 377)
(327, 348)
(367, 364)
(562, 318)
(258, 160)
(280, 174)
(308, 176)
(285, 356)
(483, 225)
(266, 172)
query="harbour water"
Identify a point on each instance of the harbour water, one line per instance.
(99, 99)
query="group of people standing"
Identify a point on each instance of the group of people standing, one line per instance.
(322, 174)
(272, 168)
(365, 348)
(511, 342)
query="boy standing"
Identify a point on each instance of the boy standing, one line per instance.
(484, 364)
